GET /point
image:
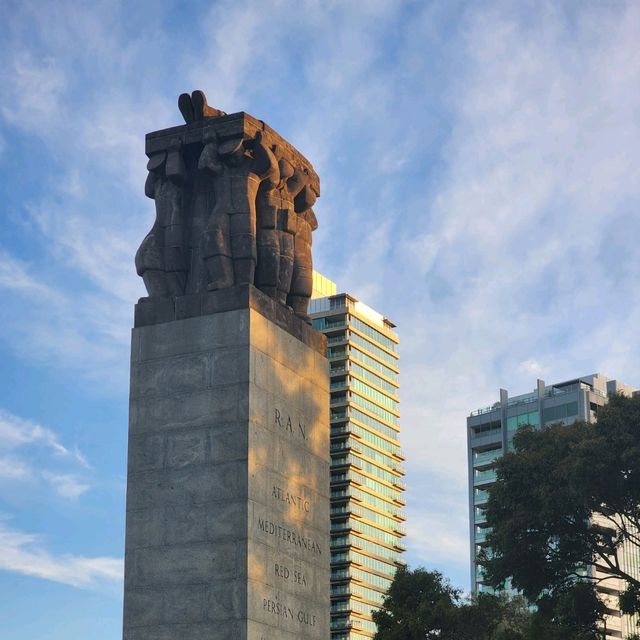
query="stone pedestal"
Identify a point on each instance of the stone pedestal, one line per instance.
(228, 481)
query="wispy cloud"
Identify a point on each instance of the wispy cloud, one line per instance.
(16, 432)
(24, 553)
(479, 172)
(499, 260)
(13, 468)
(86, 330)
(35, 455)
(14, 275)
(67, 485)
(34, 88)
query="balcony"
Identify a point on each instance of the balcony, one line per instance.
(334, 324)
(337, 369)
(340, 429)
(344, 525)
(481, 458)
(481, 534)
(483, 477)
(339, 558)
(480, 516)
(340, 574)
(339, 462)
(342, 445)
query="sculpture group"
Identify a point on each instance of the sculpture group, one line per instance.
(233, 207)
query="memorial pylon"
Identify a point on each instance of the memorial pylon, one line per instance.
(227, 533)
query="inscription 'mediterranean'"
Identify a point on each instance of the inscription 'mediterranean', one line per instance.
(272, 529)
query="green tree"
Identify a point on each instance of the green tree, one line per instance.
(493, 617)
(420, 605)
(566, 500)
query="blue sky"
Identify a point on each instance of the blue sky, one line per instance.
(479, 167)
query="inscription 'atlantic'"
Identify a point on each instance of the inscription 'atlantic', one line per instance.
(295, 502)
(284, 422)
(290, 536)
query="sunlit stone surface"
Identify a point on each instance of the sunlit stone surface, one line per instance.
(228, 482)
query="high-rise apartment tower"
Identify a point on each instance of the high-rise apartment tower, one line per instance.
(366, 472)
(490, 433)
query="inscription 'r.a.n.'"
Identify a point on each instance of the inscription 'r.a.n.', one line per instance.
(284, 422)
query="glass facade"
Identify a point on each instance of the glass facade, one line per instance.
(366, 461)
(532, 418)
(490, 432)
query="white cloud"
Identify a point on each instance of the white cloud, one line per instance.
(13, 468)
(86, 329)
(16, 432)
(531, 368)
(507, 267)
(23, 553)
(65, 484)
(14, 275)
(439, 537)
(34, 86)
(41, 451)
(475, 170)
(95, 251)
(437, 524)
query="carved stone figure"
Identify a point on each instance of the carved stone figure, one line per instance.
(194, 107)
(302, 281)
(277, 227)
(232, 226)
(161, 260)
(233, 207)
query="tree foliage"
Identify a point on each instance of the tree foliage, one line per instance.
(421, 605)
(566, 500)
(491, 617)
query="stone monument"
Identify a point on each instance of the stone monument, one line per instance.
(227, 533)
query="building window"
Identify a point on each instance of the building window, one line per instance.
(561, 412)
(533, 418)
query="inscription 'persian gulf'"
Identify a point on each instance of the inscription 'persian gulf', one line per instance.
(285, 423)
(281, 610)
(295, 502)
(294, 538)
